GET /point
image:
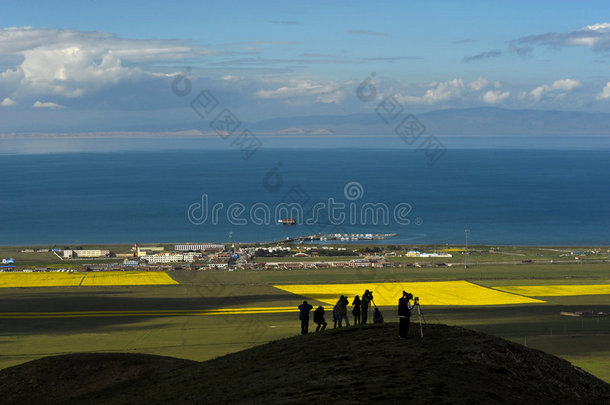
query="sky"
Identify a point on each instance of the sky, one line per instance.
(98, 66)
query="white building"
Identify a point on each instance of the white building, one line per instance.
(193, 247)
(169, 258)
(68, 254)
(435, 255)
(217, 265)
(91, 253)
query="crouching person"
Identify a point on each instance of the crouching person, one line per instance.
(318, 318)
(377, 316)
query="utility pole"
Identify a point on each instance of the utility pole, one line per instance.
(467, 254)
(231, 262)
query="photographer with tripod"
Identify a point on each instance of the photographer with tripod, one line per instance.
(365, 305)
(404, 312)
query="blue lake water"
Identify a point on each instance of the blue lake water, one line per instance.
(504, 195)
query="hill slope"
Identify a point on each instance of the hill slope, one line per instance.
(450, 365)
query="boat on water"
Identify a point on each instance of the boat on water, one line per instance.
(287, 221)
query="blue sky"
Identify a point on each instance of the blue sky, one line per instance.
(81, 65)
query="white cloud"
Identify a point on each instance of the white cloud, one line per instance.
(539, 91)
(47, 104)
(495, 96)
(566, 84)
(442, 91)
(478, 84)
(299, 88)
(8, 102)
(557, 89)
(71, 63)
(605, 93)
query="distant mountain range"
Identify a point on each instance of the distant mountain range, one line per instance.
(489, 121)
(482, 121)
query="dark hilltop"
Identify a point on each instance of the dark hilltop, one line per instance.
(451, 365)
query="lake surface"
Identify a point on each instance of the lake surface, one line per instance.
(90, 191)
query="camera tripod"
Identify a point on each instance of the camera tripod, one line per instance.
(368, 310)
(420, 315)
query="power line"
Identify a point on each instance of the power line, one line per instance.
(467, 253)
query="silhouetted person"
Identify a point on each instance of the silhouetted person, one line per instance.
(318, 317)
(356, 311)
(404, 312)
(377, 317)
(342, 310)
(367, 297)
(335, 316)
(304, 309)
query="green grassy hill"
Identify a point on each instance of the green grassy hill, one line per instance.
(450, 365)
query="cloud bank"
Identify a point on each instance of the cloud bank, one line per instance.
(71, 63)
(595, 36)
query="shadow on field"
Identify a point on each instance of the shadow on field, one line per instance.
(110, 301)
(55, 302)
(76, 325)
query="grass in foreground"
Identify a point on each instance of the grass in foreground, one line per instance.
(450, 365)
(581, 340)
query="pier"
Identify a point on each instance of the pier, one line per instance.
(342, 237)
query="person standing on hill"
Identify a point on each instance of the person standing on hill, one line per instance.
(404, 312)
(345, 315)
(304, 309)
(335, 316)
(367, 297)
(356, 311)
(318, 318)
(342, 309)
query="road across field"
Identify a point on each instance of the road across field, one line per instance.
(155, 313)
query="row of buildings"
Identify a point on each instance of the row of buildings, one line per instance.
(150, 254)
(315, 265)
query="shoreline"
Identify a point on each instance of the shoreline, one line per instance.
(329, 242)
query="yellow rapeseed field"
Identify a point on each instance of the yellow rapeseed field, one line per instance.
(556, 290)
(40, 279)
(53, 279)
(430, 293)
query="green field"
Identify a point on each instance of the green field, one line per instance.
(582, 341)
